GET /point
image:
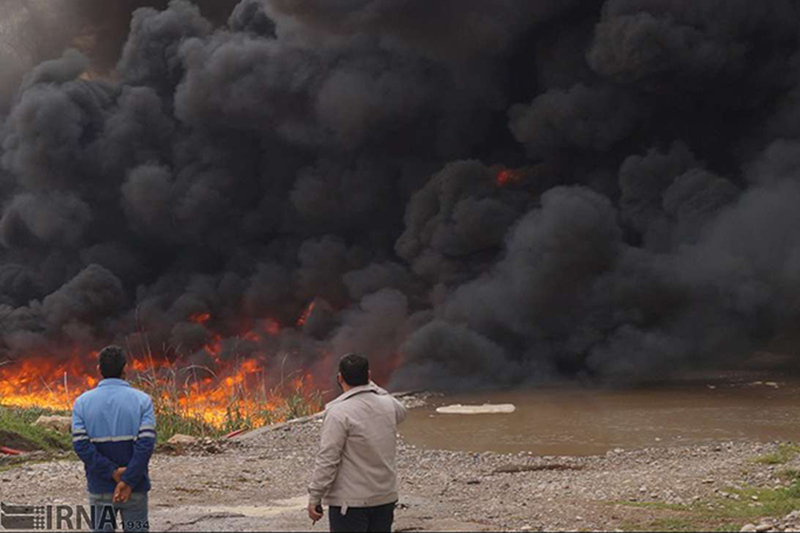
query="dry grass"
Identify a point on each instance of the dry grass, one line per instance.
(188, 399)
(192, 400)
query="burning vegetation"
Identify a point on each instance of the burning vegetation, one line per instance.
(227, 394)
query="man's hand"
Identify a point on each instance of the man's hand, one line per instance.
(122, 493)
(315, 512)
(117, 475)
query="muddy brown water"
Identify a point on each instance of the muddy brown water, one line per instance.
(584, 421)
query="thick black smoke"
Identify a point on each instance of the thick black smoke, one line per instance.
(469, 191)
(32, 31)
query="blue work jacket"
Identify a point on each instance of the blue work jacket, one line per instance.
(114, 425)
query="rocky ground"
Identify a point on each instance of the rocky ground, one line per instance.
(259, 484)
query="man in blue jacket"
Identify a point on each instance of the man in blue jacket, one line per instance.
(114, 433)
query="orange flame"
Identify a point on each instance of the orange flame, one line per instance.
(305, 314)
(235, 389)
(200, 318)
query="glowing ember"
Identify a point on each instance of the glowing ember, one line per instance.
(306, 313)
(214, 348)
(272, 327)
(200, 318)
(507, 176)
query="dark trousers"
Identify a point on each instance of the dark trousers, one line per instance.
(370, 519)
(131, 515)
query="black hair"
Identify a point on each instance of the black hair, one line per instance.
(354, 369)
(111, 361)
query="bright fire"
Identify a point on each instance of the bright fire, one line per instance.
(232, 391)
(33, 383)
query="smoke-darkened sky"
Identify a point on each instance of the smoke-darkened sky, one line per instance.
(159, 160)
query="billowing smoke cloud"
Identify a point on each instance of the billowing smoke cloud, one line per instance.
(32, 31)
(471, 192)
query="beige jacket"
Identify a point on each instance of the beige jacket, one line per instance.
(355, 465)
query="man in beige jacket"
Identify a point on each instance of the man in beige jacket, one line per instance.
(355, 472)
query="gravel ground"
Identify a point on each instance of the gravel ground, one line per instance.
(259, 484)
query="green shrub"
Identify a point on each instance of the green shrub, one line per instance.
(18, 431)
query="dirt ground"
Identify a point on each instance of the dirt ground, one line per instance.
(259, 484)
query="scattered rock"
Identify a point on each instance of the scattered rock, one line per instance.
(793, 516)
(62, 424)
(748, 528)
(544, 493)
(511, 469)
(180, 438)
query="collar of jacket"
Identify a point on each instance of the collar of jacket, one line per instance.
(109, 382)
(369, 387)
